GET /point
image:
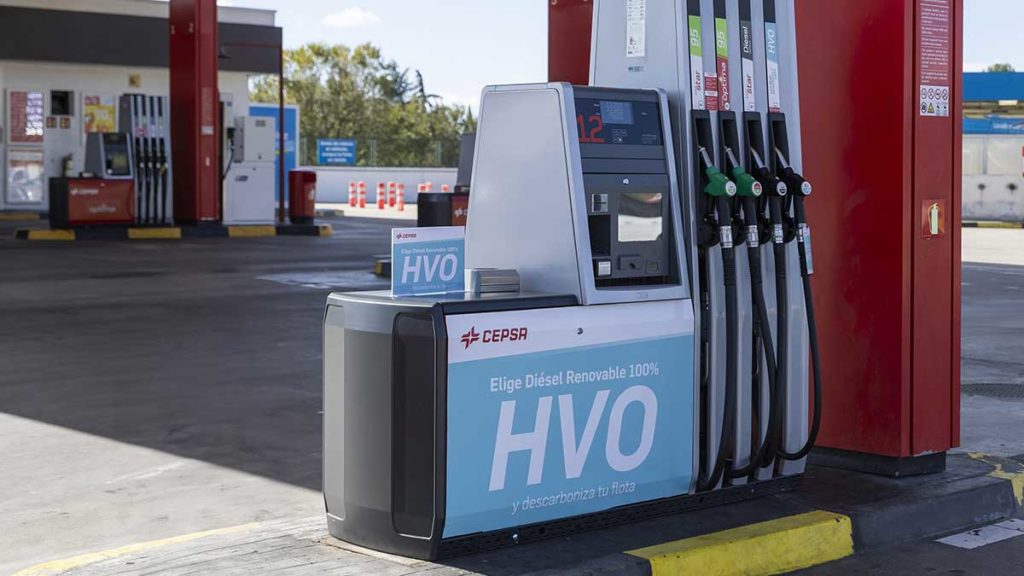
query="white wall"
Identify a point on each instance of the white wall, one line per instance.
(113, 80)
(993, 185)
(102, 80)
(332, 183)
(999, 198)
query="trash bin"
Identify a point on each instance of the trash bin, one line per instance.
(441, 209)
(302, 196)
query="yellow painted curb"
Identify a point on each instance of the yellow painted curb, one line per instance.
(772, 547)
(19, 216)
(1016, 478)
(51, 235)
(251, 231)
(59, 566)
(154, 233)
(326, 230)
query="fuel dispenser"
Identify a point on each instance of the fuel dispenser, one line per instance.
(146, 119)
(734, 95)
(657, 344)
(455, 423)
(102, 195)
(248, 178)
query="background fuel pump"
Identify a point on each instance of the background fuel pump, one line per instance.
(146, 119)
(249, 170)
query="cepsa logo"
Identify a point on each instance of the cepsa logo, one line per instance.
(494, 336)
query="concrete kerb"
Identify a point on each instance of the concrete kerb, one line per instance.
(173, 232)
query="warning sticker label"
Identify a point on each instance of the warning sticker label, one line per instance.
(935, 57)
(711, 92)
(636, 28)
(935, 101)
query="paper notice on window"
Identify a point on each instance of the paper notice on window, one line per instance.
(636, 28)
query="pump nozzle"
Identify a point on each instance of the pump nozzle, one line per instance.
(764, 175)
(791, 178)
(719, 184)
(747, 185)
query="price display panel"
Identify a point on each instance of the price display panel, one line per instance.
(618, 122)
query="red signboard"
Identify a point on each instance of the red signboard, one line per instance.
(26, 117)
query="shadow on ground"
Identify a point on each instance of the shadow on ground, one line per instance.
(179, 346)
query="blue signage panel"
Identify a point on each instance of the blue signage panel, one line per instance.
(336, 152)
(291, 135)
(568, 411)
(428, 260)
(994, 125)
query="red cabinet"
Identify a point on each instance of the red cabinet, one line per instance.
(91, 202)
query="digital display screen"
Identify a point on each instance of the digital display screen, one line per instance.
(640, 217)
(618, 122)
(118, 163)
(617, 112)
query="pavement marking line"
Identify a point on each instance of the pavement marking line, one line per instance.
(51, 235)
(251, 231)
(772, 547)
(978, 537)
(154, 233)
(59, 566)
(19, 216)
(1016, 478)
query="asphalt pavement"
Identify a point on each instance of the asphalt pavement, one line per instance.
(155, 389)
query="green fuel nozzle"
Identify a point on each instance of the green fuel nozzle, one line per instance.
(721, 189)
(747, 186)
(719, 185)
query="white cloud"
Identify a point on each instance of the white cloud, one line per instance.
(354, 17)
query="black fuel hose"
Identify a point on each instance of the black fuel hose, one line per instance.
(782, 316)
(767, 447)
(812, 329)
(732, 341)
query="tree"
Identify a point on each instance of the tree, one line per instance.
(1001, 67)
(357, 93)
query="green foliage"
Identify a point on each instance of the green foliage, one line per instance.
(1000, 68)
(357, 93)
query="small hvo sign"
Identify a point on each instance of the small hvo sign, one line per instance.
(428, 260)
(336, 152)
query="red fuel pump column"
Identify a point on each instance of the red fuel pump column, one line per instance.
(194, 106)
(569, 34)
(880, 88)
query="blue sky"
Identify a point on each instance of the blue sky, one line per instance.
(463, 45)
(993, 33)
(459, 45)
